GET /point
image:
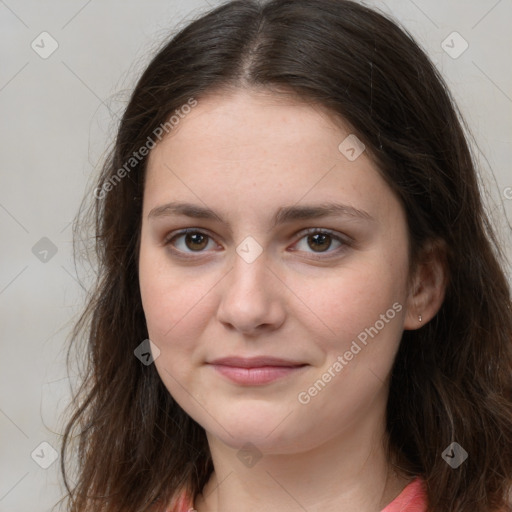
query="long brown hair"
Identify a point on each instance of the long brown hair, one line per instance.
(451, 380)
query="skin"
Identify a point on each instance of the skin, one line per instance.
(245, 154)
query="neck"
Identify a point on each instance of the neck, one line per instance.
(350, 472)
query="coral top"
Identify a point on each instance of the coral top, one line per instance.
(413, 498)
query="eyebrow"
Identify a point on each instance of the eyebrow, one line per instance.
(283, 215)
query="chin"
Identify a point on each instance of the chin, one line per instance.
(268, 431)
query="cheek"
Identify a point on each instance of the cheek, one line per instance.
(364, 309)
(175, 302)
(177, 309)
(353, 297)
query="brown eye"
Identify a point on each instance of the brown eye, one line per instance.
(196, 241)
(322, 242)
(190, 241)
(319, 242)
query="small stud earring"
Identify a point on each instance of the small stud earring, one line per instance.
(419, 318)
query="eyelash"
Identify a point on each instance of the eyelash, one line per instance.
(311, 231)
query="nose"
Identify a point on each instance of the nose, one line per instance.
(252, 298)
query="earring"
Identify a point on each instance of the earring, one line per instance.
(419, 318)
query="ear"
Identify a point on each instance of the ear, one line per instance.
(427, 285)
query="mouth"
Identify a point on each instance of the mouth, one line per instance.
(255, 371)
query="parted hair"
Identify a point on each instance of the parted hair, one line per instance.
(127, 444)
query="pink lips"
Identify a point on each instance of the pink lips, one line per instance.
(255, 371)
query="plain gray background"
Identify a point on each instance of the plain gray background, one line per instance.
(58, 117)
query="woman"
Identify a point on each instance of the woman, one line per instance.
(301, 304)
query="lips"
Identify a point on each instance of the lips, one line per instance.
(255, 362)
(255, 371)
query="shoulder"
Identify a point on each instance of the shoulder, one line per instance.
(182, 503)
(413, 498)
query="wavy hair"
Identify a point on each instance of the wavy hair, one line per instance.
(129, 442)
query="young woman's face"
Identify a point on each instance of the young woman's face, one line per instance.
(278, 315)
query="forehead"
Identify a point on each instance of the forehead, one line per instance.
(255, 148)
(247, 125)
